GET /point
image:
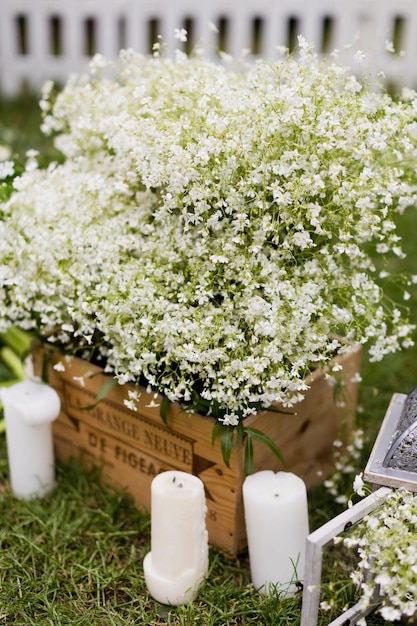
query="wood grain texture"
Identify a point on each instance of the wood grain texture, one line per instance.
(133, 447)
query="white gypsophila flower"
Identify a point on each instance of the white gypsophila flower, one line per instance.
(326, 606)
(346, 457)
(6, 167)
(358, 485)
(389, 46)
(180, 34)
(390, 614)
(5, 154)
(152, 404)
(385, 542)
(209, 229)
(130, 404)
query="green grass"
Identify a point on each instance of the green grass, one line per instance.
(75, 557)
(20, 121)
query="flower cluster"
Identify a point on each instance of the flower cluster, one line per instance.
(386, 544)
(346, 461)
(213, 225)
(7, 172)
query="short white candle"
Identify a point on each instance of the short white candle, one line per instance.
(29, 408)
(276, 516)
(178, 561)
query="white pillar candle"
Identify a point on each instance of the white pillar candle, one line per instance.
(276, 516)
(29, 408)
(178, 561)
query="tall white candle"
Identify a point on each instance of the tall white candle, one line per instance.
(276, 516)
(29, 408)
(178, 561)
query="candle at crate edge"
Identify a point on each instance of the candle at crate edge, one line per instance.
(29, 408)
(276, 516)
(178, 561)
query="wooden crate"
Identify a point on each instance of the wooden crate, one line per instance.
(133, 447)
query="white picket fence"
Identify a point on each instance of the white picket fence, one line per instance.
(48, 39)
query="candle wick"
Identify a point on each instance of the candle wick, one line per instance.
(173, 480)
(276, 495)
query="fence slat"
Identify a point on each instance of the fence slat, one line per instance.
(48, 39)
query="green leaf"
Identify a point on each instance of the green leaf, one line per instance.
(12, 361)
(165, 404)
(17, 340)
(46, 360)
(5, 374)
(101, 394)
(248, 458)
(240, 433)
(230, 438)
(105, 388)
(200, 405)
(9, 383)
(226, 443)
(254, 433)
(216, 432)
(275, 409)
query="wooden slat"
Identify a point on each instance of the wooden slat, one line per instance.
(132, 447)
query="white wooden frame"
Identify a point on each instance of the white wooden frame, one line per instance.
(315, 544)
(375, 472)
